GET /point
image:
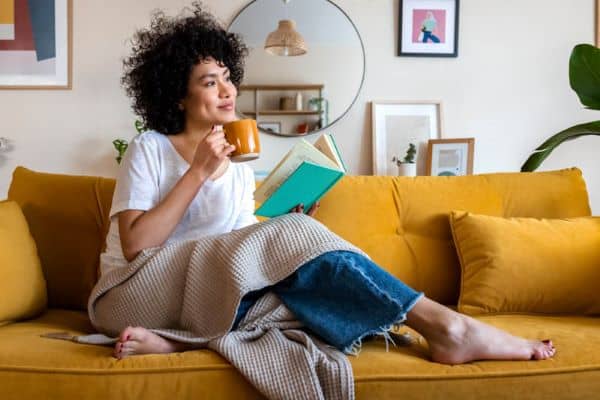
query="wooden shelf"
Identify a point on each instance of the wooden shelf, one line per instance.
(282, 112)
(282, 87)
(263, 110)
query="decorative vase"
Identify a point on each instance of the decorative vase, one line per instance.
(407, 169)
(287, 103)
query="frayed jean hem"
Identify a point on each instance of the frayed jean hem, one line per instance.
(355, 347)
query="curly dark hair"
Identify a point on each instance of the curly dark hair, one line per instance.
(157, 73)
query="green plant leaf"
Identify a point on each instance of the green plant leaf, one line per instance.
(139, 126)
(584, 74)
(544, 150)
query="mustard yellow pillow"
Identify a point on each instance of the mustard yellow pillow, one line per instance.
(527, 265)
(22, 283)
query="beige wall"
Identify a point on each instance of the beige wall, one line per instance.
(508, 88)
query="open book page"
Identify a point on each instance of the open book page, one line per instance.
(326, 145)
(302, 151)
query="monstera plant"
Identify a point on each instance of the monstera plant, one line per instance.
(584, 76)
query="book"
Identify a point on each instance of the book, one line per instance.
(326, 145)
(302, 176)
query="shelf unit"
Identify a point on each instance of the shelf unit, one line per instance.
(282, 112)
(257, 89)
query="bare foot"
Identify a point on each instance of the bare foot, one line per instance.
(467, 339)
(139, 340)
(455, 338)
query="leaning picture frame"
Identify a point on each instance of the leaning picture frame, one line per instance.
(36, 44)
(397, 124)
(450, 157)
(270, 127)
(428, 28)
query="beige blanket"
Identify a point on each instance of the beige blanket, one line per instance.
(190, 292)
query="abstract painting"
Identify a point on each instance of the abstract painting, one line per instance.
(35, 44)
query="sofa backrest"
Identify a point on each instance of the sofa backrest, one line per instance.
(68, 219)
(402, 223)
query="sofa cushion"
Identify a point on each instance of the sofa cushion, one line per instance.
(67, 218)
(35, 367)
(22, 284)
(527, 264)
(402, 223)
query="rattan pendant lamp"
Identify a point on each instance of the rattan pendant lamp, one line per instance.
(285, 41)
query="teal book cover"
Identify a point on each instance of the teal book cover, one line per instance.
(307, 184)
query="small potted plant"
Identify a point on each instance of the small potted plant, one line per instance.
(121, 145)
(407, 165)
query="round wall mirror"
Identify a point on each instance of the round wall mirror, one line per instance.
(305, 67)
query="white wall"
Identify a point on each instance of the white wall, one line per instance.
(508, 88)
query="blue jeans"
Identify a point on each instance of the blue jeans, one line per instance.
(428, 35)
(342, 297)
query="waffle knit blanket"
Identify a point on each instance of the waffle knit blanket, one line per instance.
(190, 292)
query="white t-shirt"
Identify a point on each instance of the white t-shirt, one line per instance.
(149, 170)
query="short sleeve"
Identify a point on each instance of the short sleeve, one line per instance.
(246, 216)
(137, 186)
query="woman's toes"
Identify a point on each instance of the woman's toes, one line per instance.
(126, 353)
(544, 351)
(128, 347)
(117, 349)
(126, 334)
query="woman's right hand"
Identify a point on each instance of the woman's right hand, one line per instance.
(211, 152)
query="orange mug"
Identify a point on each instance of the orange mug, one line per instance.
(243, 134)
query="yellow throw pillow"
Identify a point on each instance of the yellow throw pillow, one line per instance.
(527, 265)
(22, 282)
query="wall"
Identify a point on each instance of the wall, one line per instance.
(508, 88)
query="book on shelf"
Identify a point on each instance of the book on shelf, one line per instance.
(302, 176)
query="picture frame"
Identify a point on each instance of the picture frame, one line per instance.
(396, 124)
(36, 41)
(450, 157)
(270, 127)
(428, 28)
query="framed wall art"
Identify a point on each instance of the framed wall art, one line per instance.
(35, 44)
(396, 124)
(428, 28)
(450, 157)
(271, 127)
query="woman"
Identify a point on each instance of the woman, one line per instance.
(176, 183)
(428, 27)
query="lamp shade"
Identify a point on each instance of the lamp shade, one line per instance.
(285, 41)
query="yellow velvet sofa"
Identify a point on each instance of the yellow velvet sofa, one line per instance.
(401, 222)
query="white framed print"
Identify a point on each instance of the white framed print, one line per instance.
(35, 44)
(397, 124)
(428, 28)
(450, 157)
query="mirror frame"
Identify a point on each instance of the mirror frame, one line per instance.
(362, 79)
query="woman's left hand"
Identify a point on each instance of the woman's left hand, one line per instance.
(311, 212)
